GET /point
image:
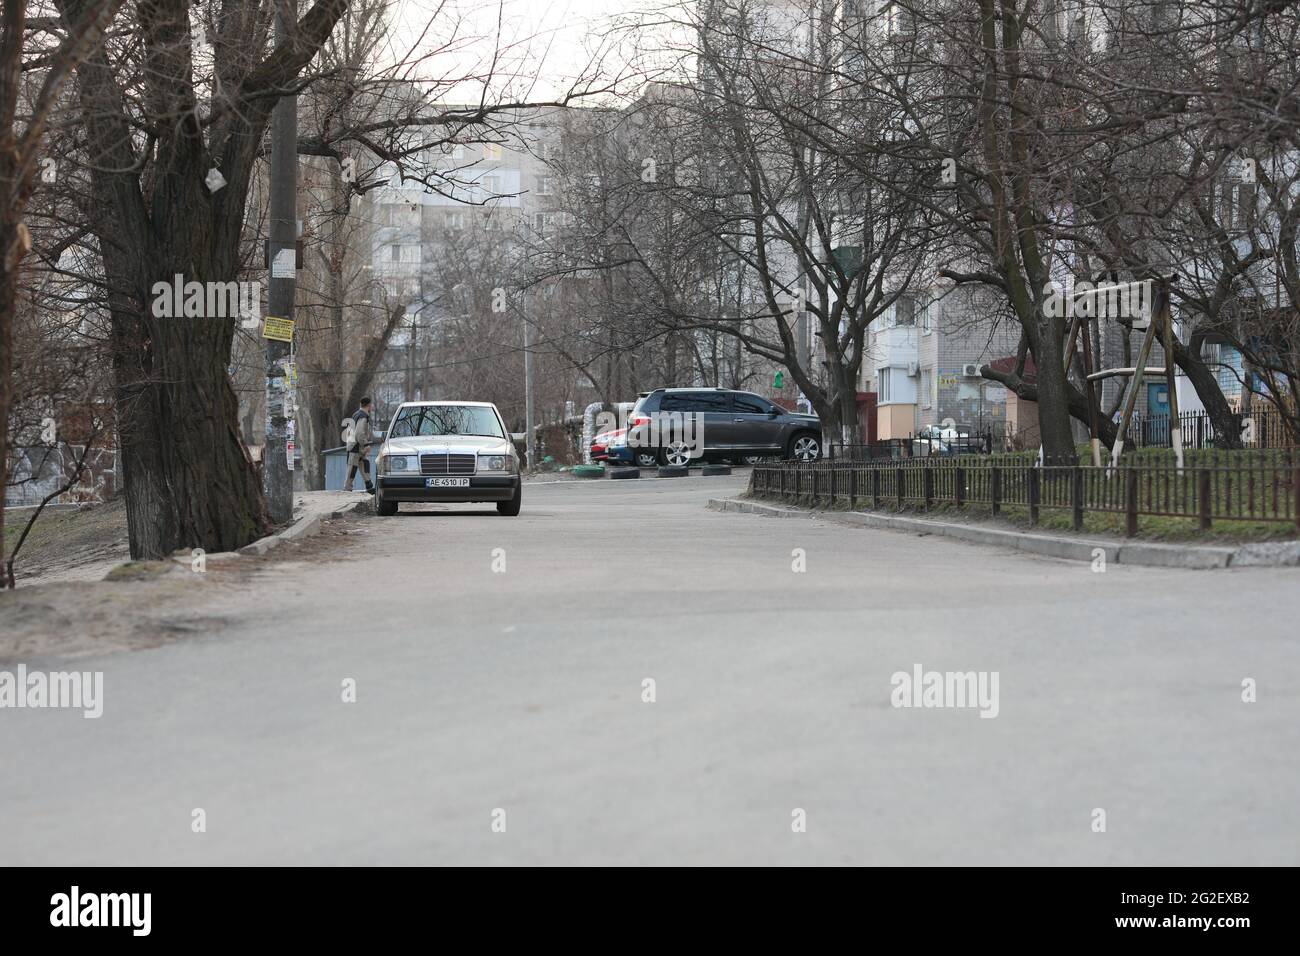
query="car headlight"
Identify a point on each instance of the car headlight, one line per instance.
(496, 463)
(395, 464)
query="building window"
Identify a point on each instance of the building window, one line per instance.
(492, 185)
(882, 390)
(395, 252)
(927, 318)
(905, 311)
(492, 151)
(1229, 371)
(455, 220)
(897, 20)
(543, 185)
(539, 223)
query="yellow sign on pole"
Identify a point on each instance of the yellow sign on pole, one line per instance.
(274, 327)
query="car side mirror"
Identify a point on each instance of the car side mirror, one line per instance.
(773, 412)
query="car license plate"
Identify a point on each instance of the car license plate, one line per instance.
(446, 482)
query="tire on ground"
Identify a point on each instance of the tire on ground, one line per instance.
(630, 472)
(716, 470)
(673, 471)
(511, 507)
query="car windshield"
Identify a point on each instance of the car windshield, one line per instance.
(428, 420)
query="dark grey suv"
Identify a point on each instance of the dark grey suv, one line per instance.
(720, 424)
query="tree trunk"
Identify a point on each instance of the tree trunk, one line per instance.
(847, 397)
(188, 477)
(837, 409)
(1227, 426)
(8, 301)
(308, 438)
(1053, 394)
(1078, 406)
(326, 425)
(829, 413)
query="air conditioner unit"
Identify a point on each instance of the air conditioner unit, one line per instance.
(970, 370)
(913, 369)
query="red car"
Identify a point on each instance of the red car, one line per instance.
(600, 444)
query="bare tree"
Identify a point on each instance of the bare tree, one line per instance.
(35, 62)
(760, 198)
(173, 123)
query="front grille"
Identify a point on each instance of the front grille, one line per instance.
(447, 464)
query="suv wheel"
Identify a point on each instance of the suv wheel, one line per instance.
(646, 459)
(675, 453)
(805, 447)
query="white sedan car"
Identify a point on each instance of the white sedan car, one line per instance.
(448, 451)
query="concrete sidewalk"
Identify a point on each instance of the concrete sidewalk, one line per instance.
(310, 508)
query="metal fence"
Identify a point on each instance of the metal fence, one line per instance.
(40, 470)
(1264, 428)
(892, 449)
(1212, 486)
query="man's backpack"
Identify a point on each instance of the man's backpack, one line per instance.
(349, 429)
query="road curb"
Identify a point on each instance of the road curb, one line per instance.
(1146, 554)
(305, 527)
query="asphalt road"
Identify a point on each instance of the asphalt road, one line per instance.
(521, 690)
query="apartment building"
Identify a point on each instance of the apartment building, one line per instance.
(923, 359)
(493, 198)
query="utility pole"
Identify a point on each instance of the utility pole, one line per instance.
(530, 439)
(277, 478)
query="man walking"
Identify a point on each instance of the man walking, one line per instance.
(360, 438)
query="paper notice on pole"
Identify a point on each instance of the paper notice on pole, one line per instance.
(288, 450)
(283, 265)
(274, 327)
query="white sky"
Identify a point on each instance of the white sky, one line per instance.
(541, 47)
